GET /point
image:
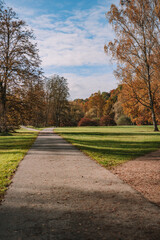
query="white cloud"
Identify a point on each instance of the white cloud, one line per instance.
(78, 40)
(83, 87)
(21, 11)
(70, 38)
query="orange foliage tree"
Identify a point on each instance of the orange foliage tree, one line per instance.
(139, 113)
(93, 106)
(137, 51)
(97, 101)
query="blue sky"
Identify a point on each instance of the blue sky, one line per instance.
(71, 36)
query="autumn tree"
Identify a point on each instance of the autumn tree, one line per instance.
(108, 110)
(138, 113)
(19, 60)
(96, 104)
(34, 100)
(118, 110)
(73, 114)
(137, 50)
(57, 94)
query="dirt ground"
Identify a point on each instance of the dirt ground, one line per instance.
(143, 174)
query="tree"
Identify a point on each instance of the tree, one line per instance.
(108, 110)
(87, 122)
(91, 113)
(96, 102)
(107, 120)
(19, 60)
(118, 110)
(137, 49)
(119, 116)
(58, 93)
(138, 113)
(73, 115)
(35, 105)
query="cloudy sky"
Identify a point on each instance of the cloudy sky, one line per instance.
(71, 35)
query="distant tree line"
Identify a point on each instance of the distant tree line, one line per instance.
(102, 109)
(28, 98)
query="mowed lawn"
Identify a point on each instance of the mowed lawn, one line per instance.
(12, 150)
(111, 146)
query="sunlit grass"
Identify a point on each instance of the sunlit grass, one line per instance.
(111, 146)
(12, 150)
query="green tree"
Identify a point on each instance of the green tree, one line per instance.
(57, 94)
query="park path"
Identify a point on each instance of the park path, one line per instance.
(28, 128)
(58, 193)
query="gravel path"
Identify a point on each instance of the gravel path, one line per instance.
(58, 193)
(143, 174)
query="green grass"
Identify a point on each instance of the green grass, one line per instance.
(13, 147)
(111, 146)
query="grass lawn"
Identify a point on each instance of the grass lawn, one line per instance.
(13, 147)
(111, 146)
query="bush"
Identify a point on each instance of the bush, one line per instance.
(124, 120)
(97, 120)
(87, 122)
(107, 121)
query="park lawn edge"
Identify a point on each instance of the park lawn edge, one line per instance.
(8, 179)
(92, 158)
(112, 164)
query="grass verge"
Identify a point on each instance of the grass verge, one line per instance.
(13, 147)
(111, 146)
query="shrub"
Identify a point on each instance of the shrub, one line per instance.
(124, 120)
(97, 120)
(107, 121)
(87, 122)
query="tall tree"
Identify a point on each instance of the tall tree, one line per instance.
(35, 105)
(19, 60)
(97, 102)
(138, 113)
(137, 49)
(58, 93)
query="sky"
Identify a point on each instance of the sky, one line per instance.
(71, 35)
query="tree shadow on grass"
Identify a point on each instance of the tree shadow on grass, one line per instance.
(110, 133)
(114, 149)
(18, 141)
(111, 149)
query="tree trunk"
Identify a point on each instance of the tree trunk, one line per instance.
(153, 112)
(4, 116)
(154, 121)
(151, 101)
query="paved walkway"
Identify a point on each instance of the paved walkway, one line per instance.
(58, 193)
(28, 128)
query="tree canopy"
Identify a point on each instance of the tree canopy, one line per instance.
(19, 62)
(137, 51)
(57, 98)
